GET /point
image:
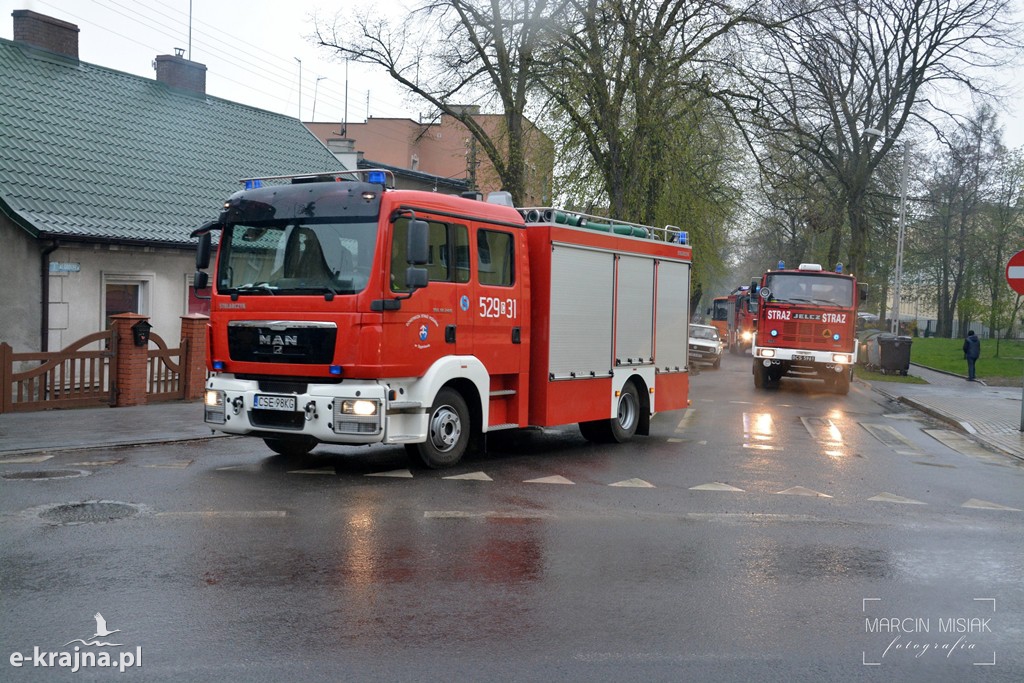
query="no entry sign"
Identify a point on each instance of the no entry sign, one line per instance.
(1015, 272)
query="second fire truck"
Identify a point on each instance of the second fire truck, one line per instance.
(806, 325)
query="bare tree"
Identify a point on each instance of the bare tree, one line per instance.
(477, 51)
(846, 67)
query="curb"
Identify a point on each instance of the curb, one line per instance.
(4, 455)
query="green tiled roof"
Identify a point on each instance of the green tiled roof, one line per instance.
(89, 152)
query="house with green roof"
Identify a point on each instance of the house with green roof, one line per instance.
(104, 174)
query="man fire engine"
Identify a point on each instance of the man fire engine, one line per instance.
(805, 325)
(347, 312)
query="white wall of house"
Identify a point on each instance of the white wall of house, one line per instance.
(156, 281)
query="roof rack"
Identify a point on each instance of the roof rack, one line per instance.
(576, 219)
(325, 176)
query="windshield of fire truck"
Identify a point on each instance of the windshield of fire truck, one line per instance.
(819, 290)
(296, 257)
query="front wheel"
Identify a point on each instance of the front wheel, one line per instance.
(841, 383)
(448, 431)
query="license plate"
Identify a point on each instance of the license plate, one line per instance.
(268, 402)
(797, 356)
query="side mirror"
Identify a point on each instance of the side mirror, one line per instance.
(203, 251)
(416, 277)
(862, 290)
(418, 248)
(754, 286)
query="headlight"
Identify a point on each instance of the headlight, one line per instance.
(214, 408)
(359, 407)
(842, 358)
(768, 353)
(747, 336)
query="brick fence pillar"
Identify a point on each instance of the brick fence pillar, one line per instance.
(132, 362)
(193, 363)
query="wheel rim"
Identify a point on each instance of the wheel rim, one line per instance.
(445, 429)
(627, 411)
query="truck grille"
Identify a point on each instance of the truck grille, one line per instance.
(808, 335)
(282, 342)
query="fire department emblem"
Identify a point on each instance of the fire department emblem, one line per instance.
(464, 302)
(423, 333)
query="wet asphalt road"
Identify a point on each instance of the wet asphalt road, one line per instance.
(549, 559)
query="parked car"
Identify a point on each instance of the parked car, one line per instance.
(705, 345)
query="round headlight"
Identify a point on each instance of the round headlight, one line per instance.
(774, 333)
(835, 337)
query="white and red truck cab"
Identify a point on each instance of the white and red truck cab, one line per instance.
(346, 312)
(806, 324)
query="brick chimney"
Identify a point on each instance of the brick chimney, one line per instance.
(47, 33)
(177, 72)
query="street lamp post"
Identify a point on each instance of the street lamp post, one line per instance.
(316, 89)
(300, 87)
(897, 291)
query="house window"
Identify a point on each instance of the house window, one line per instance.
(124, 294)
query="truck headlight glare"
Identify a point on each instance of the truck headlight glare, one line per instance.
(768, 353)
(214, 398)
(841, 358)
(359, 407)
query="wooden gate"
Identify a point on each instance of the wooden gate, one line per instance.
(71, 377)
(165, 380)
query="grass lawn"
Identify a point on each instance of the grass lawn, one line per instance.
(948, 354)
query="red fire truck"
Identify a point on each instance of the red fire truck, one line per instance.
(805, 325)
(347, 312)
(735, 317)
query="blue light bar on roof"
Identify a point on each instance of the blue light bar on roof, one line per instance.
(253, 184)
(376, 177)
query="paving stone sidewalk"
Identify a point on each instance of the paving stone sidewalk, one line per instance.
(991, 414)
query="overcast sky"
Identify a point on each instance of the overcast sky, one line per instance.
(252, 50)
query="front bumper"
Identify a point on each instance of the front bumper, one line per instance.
(345, 413)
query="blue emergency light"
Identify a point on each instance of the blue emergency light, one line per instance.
(253, 184)
(839, 267)
(684, 238)
(782, 264)
(377, 177)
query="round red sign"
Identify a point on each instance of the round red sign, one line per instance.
(1015, 272)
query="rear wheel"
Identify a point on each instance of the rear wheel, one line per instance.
(448, 431)
(291, 446)
(620, 428)
(627, 417)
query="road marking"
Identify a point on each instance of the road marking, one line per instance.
(685, 422)
(557, 479)
(801, 491)
(634, 483)
(826, 432)
(240, 468)
(893, 498)
(397, 474)
(98, 463)
(25, 460)
(227, 514)
(933, 464)
(963, 445)
(889, 436)
(715, 486)
(490, 514)
(472, 476)
(175, 465)
(986, 505)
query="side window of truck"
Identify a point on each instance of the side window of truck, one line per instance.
(495, 264)
(448, 255)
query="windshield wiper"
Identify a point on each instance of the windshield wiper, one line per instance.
(257, 287)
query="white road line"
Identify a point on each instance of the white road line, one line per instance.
(716, 486)
(634, 483)
(398, 474)
(986, 505)
(227, 514)
(472, 476)
(893, 498)
(801, 491)
(557, 479)
(25, 460)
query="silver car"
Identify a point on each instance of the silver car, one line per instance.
(705, 345)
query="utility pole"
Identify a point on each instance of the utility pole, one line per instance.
(316, 90)
(897, 293)
(300, 87)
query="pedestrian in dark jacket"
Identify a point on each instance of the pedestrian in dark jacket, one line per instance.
(972, 349)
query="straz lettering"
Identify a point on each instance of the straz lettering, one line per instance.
(775, 314)
(838, 318)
